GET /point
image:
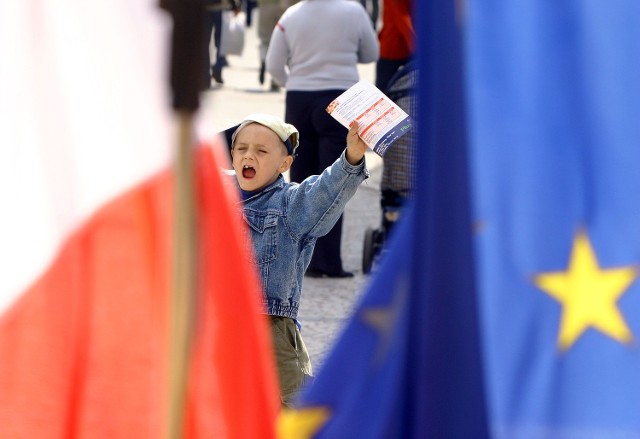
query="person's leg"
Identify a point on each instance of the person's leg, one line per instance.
(297, 113)
(375, 12)
(332, 136)
(327, 260)
(292, 358)
(216, 71)
(327, 257)
(209, 23)
(267, 19)
(250, 4)
(385, 69)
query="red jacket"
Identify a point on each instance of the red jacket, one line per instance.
(397, 36)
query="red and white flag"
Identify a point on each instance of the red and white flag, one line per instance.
(86, 239)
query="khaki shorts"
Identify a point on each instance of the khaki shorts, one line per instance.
(292, 358)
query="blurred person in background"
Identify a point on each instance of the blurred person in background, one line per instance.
(214, 24)
(249, 6)
(374, 13)
(270, 13)
(314, 52)
(397, 40)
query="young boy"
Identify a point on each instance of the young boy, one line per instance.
(285, 220)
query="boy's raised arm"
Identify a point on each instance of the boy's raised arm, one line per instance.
(355, 145)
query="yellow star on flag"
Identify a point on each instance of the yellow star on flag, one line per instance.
(301, 423)
(384, 319)
(588, 295)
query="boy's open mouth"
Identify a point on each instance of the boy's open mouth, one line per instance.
(248, 172)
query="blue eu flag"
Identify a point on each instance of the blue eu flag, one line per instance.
(509, 303)
(554, 123)
(408, 364)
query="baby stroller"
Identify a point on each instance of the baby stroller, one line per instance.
(399, 167)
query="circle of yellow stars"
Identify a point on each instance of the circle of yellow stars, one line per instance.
(588, 295)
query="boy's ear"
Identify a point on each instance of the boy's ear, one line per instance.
(286, 164)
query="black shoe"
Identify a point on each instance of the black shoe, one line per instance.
(217, 76)
(261, 75)
(321, 273)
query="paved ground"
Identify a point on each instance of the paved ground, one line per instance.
(326, 303)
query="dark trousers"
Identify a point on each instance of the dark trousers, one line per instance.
(249, 6)
(214, 23)
(322, 140)
(385, 69)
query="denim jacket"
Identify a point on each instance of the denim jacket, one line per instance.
(286, 219)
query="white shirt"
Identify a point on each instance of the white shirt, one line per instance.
(317, 45)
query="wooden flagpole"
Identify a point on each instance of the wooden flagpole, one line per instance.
(188, 68)
(184, 275)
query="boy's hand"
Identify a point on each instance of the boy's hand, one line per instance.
(355, 145)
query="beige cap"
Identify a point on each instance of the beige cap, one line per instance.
(287, 132)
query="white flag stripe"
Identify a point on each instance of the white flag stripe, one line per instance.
(84, 114)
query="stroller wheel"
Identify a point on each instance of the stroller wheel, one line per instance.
(370, 249)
